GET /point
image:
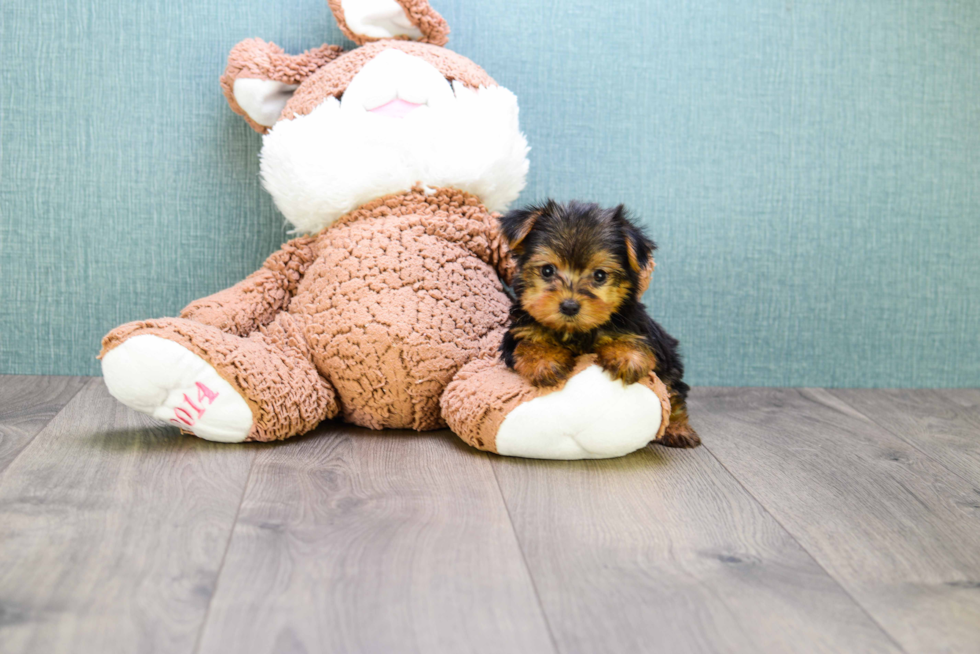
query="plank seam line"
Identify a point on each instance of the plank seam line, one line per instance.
(807, 551)
(897, 435)
(520, 548)
(224, 555)
(48, 423)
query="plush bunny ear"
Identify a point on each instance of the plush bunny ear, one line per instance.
(260, 78)
(262, 100)
(371, 20)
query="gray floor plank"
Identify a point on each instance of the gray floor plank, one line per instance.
(357, 541)
(945, 424)
(112, 532)
(893, 526)
(27, 403)
(663, 551)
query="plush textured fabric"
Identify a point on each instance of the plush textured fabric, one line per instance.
(270, 369)
(434, 29)
(332, 79)
(375, 314)
(400, 298)
(468, 139)
(256, 59)
(256, 300)
(326, 71)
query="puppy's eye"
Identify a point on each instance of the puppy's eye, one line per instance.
(599, 276)
(548, 271)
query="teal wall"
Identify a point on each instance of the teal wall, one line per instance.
(811, 168)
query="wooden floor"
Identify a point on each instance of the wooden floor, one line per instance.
(811, 521)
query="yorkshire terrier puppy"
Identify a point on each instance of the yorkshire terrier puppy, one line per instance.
(577, 288)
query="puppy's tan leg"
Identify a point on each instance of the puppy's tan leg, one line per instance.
(679, 431)
(542, 363)
(625, 357)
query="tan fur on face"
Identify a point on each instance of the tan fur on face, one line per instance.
(542, 297)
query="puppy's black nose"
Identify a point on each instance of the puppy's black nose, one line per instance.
(569, 307)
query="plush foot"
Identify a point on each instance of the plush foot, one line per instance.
(591, 417)
(158, 377)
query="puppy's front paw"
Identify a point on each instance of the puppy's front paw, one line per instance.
(626, 361)
(543, 364)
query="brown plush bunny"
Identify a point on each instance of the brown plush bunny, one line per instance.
(393, 157)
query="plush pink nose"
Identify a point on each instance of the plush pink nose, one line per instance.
(397, 108)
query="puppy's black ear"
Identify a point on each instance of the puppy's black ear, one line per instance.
(517, 224)
(639, 248)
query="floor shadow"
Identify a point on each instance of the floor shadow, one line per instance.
(151, 439)
(168, 438)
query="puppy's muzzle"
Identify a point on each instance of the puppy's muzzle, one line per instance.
(569, 308)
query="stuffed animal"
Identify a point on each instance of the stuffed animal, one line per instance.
(392, 158)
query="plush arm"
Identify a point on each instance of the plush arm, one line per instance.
(256, 59)
(255, 301)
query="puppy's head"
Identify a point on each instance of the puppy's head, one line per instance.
(578, 263)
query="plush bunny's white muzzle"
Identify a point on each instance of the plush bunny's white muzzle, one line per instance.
(400, 122)
(395, 76)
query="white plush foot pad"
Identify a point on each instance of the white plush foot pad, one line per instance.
(592, 417)
(169, 382)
